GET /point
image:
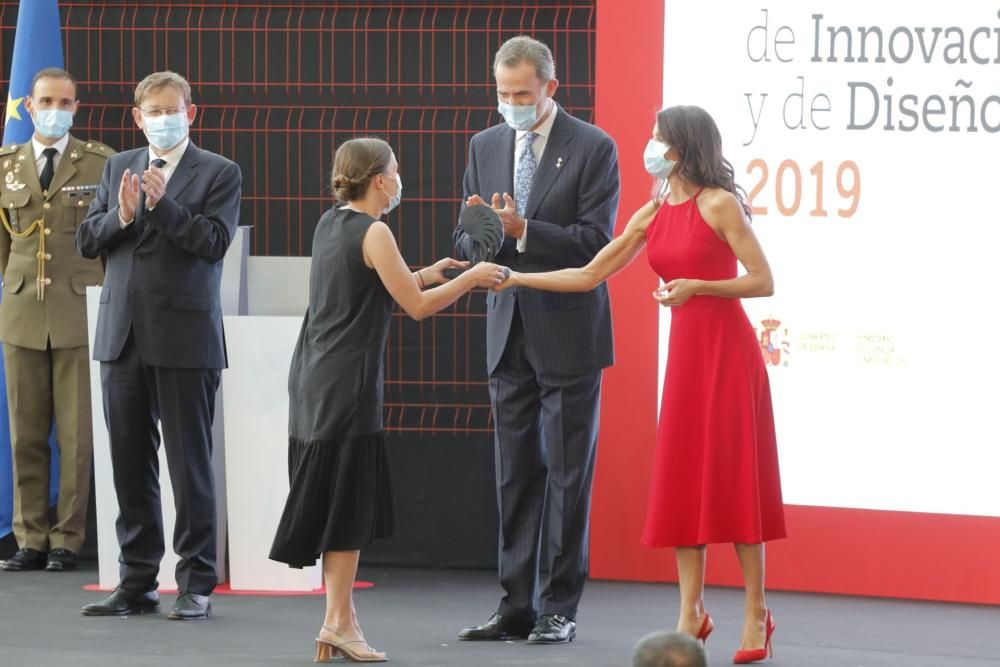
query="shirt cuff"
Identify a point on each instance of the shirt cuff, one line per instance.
(522, 243)
(122, 222)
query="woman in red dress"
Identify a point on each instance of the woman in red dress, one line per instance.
(715, 475)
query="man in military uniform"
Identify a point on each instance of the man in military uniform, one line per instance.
(48, 184)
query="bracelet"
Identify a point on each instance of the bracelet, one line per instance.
(421, 279)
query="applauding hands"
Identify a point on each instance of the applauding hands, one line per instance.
(153, 183)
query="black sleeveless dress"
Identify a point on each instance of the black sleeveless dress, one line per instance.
(340, 498)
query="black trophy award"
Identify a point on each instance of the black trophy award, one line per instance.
(485, 231)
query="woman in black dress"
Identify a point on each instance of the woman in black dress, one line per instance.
(340, 498)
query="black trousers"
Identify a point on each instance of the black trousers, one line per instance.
(182, 401)
(546, 442)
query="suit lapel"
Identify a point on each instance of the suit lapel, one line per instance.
(179, 179)
(504, 149)
(139, 164)
(184, 172)
(554, 158)
(67, 167)
(502, 155)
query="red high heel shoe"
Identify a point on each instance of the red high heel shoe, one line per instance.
(743, 657)
(705, 630)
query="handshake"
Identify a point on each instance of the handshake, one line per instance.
(484, 234)
(483, 237)
(482, 274)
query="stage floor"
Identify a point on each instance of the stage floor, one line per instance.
(414, 615)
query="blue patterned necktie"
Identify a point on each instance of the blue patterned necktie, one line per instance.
(524, 173)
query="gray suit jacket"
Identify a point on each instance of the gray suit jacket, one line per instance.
(571, 214)
(164, 270)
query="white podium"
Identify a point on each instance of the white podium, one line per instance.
(233, 300)
(256, 389)
(255, 385)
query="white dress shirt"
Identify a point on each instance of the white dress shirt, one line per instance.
(537, 147)
(39, 147)
(172, 158)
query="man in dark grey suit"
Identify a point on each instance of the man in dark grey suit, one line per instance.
(554, 181)
(160, 341)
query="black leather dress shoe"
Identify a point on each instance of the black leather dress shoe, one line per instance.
(61, 560)
(25, 559)
(191, 607)
(498, 628)
(552, 629)
(124, 603)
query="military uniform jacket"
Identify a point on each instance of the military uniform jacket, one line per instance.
(44, 277)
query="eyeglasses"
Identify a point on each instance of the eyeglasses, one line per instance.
(159, 111)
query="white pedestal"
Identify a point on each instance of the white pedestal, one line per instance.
(256, 404)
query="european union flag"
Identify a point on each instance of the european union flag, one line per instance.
(37, 45)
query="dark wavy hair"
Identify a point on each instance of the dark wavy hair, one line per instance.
(696, 138)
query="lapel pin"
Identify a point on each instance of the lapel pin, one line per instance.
(559, 162)
(6, 164)
(74, 155)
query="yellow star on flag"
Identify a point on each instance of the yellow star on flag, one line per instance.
(12, 105)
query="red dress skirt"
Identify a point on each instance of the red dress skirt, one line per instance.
(715, 471)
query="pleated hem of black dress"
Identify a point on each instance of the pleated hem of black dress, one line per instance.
(340, 498)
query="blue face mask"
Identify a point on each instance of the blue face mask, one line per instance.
(394, 199)
(165, 131)
(521, 118)
(52, 123)
(654, 159)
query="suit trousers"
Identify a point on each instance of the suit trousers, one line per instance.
(182, 400)
(42, 384)
(546, 443)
